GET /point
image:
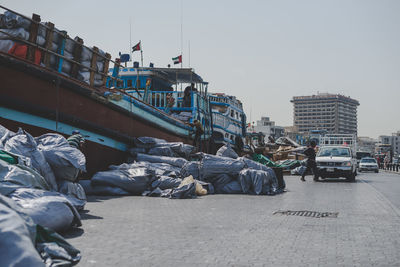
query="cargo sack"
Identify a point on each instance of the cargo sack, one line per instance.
(54, 249)
(24, 144)
(214, 165)
(179, 148)
(148, 142)
(51, 248)
(227, 151)
(74, 192)
(162, 151)
(159, 169)
(134, 181)
(165, 182)
(219, 181)
(183, 191)
(257, 182)
(191, 168)
(102, 190)
(66, 161)
(49, 209)
(177, 162)
(133, 151)
(17, 237)
(15, 176)
(251, 164)
(231, 188)
(207, 186)
(5, 134)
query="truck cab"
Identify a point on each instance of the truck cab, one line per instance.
(335, 162)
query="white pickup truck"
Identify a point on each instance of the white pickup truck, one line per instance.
(336, 161)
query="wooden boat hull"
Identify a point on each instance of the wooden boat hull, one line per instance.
(40, 101)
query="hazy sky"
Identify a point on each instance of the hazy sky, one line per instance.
(263, 52)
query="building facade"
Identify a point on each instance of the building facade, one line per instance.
(333, 113)
(268, 127)
(392, 140)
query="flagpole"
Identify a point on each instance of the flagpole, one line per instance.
(189, 54)
(182, 33)
(130, 39)
(141, 52)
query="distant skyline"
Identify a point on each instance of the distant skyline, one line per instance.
(263, 52)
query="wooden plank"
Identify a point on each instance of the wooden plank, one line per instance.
(106, 65)
(48, 43)
(33, 31)
(77, 54)
(93, 65)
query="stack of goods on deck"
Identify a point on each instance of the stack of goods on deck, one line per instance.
(14, 30)
(39, 197)
(161, 168)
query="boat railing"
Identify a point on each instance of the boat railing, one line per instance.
(173, 102)
(57, 51)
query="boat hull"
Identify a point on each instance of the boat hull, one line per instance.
(40, 101)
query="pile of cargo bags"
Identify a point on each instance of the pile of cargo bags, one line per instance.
(165, 169)
(39, 198)
(40, 195)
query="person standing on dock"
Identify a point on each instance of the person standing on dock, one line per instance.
(198, 131)
(311, 164)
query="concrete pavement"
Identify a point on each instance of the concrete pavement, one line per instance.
(241, 230)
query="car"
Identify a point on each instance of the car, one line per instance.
(335, 162)
(368, 164)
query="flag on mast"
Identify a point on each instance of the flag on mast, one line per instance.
(137, 47)
(177, 59)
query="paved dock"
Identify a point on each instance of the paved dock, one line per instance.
(242, 230)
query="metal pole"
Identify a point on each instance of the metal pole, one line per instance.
(141, 52)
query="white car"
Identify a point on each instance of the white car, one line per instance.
(335, 162)
(368, 164)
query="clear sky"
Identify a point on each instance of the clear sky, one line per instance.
(263, 52)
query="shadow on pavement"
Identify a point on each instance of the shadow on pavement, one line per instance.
(93, 198)
(336, 180)
(86, 216)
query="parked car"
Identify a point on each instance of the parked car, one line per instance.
(368, 164)
(335, 162)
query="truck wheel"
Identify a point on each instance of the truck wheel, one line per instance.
(376, 171)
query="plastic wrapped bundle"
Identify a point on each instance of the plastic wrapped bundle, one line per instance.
(214, 165)
(165, 182)
(24, 144)
(134, 181)
(251, 164)
(74, 192)
(102, 190)
(257, 182)
(161, 151)
(220, 181)
(49, 209)
(191, 168)
(232, 187)
(177, 162)
(17, 236)
(148, 142)
(66, 161)
(15, 176)
(227, 151)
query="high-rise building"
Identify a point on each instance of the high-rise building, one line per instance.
(337, 114)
